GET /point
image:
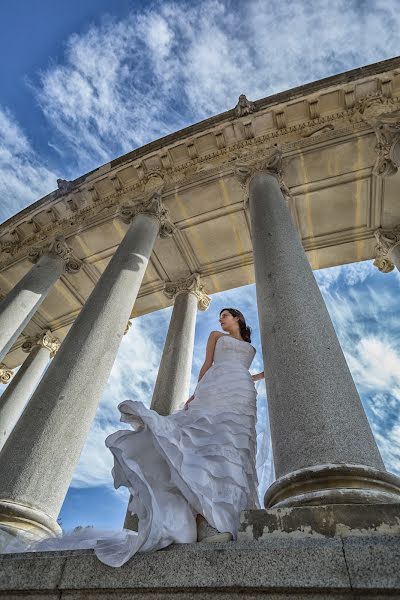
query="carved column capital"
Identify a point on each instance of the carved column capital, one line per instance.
(153, 206)
(5, 374)
(188, 285)
(271, 164)
(387, 241)
(57, 247)
(45, 339)
(383, 114)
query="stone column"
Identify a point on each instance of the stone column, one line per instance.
(24, 299)
(387, 249)
(35, 474)
(324, 449)
(16, 396)
(173, 378)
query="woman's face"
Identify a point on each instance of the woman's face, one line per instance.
(228, 322)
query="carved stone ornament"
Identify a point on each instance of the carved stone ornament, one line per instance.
(5, 374)
(45, 340)
(377, 111)
(191, 285)
(244, 106)
(64, 185)
(152, 206)
(57, 247)
(271, 164)
(387, 240)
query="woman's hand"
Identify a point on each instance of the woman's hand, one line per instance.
(188, 402)
(258, 376)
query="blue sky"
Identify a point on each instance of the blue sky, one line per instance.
(87, 81)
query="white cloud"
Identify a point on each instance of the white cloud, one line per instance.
(124, 83)
(23, 178)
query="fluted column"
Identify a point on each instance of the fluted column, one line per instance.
(173, 378)
(387, 249)
(16, 396)
(35, 474)
(25, 298)
(324, 450)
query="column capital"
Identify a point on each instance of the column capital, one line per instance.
(45, 339)
(383, 115)
(271, 164)
(57, 247)
(188, 285)
(5, 374)
(387, 241)
(153, 206)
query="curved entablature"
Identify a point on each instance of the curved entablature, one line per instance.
(336, 142)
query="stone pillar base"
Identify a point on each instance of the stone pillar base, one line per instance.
(25, 521)
(333, 484)
(329, 521)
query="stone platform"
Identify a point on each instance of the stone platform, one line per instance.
(276, 567)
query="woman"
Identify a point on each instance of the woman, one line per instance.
(191, 473)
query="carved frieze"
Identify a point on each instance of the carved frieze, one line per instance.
(387, 240)
(152, 206)
(57, 247)
(191, 285)
(45, 339)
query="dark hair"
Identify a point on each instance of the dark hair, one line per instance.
(245, 331)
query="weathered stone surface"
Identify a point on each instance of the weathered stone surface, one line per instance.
(316, 521)
(373, 563)
(277, 568)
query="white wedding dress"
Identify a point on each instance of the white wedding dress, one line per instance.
(196, 461)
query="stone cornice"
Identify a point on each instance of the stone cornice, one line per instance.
(5, 374)
(188, 285)
(45, 339)
(387, 240)
(57, 247)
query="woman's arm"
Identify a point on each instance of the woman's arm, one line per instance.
(258, 376)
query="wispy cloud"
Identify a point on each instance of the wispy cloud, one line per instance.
(23, 178)
(126, 82)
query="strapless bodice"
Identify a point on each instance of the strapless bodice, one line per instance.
(231, 350)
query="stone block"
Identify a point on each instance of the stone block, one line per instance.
(373, 562)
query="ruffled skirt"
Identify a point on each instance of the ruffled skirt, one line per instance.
(195, 461)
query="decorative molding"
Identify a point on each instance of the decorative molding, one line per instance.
(244, 106)
(387, 240)
(151, 206)
(45, 339)
(188, 285)
(55, 248)
(5, 374)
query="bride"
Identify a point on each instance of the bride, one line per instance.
(192, 472)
